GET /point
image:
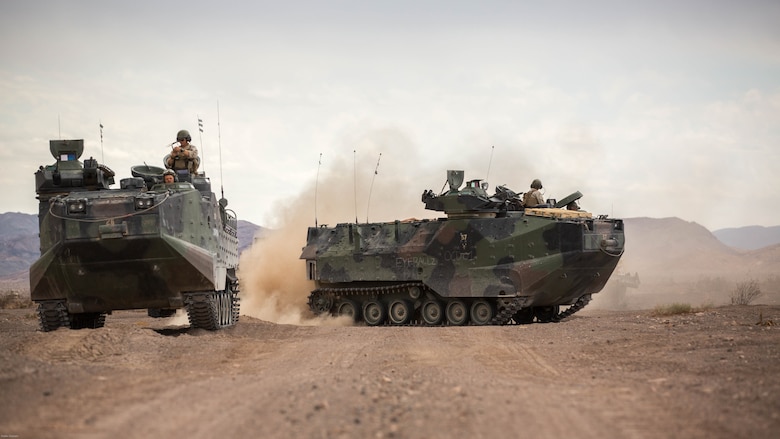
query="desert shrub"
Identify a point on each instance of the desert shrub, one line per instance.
(12, 300)
(672, 309)
(745, 292)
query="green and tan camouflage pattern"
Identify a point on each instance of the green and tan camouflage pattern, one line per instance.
(549, 256)
(108, 249)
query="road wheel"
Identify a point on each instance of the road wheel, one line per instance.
(432, 313)
(374, 313)
(400, 312)
(347, 308)
(457, 313)
(482, 312)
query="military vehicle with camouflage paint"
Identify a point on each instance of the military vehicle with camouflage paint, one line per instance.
(490, 261)
(147, 245)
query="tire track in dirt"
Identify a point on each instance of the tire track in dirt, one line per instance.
(612, 375)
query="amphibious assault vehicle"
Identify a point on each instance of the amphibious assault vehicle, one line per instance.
(145, 245)
(490, 261)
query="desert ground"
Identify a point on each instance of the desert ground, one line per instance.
(712, 373)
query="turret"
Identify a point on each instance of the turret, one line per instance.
(471, 201)
(68, 172)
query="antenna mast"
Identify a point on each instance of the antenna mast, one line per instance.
(200, 139)
(316, 184)
(371, 188)
(219, 142)
(490, 162)
(102, 156)
(354, 180)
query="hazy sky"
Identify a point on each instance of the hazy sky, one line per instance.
(659, 109)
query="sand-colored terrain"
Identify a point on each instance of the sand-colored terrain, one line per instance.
(599, 374)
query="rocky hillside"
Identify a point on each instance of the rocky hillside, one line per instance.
(669, 259)
(679, 250)
(18, 242)
(750, 237)
(247, 233)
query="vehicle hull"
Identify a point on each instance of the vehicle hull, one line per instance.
(154, 271)
(147, 245)
(534, 258)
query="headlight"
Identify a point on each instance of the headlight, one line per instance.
(77, 206)
(143, 203)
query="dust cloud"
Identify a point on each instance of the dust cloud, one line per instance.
(272, 277)
(180, 318)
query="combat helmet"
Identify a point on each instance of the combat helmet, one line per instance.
(536, 184)
(183, 134)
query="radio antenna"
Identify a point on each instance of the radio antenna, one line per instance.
(200, 139)
(102, 156)
(316, 184)
(354, 180)
(490, 162)
(371, 188)
(219, 142)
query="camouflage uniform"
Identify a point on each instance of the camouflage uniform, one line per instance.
(533, 198)
(190, 163)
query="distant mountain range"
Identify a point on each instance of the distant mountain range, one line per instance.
(18, 242)
(673, 247)
(750, 237)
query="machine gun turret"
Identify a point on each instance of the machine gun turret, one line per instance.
(68, 172)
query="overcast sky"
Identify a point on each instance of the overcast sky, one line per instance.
(658, 109)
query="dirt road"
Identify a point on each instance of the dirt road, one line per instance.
(600, 374)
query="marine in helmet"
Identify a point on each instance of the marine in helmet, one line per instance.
(169, 176)
(534, 197)
(184, 155)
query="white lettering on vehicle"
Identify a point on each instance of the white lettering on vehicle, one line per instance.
(458, 256)
(414, 261)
